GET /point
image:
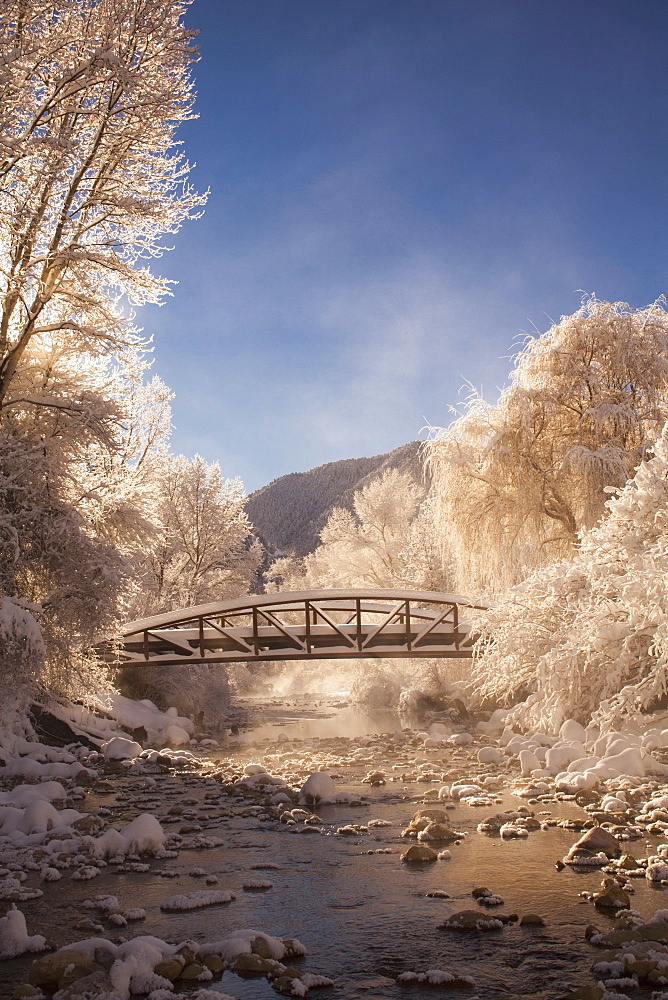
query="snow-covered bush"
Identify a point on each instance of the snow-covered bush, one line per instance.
(199, 691)
(589, 636)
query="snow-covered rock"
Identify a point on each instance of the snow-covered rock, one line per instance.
(119, 748)
(318, 788)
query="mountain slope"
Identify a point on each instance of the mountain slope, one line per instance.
(289, 513)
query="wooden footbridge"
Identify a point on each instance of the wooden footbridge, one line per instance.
(304, 625)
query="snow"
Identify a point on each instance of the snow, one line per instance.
(119, 748)
(318, 787)
(177, 736)
(434, 977)
(144, 835)
(196, 900)
(132, 715)
(14, 937)
(240, 942)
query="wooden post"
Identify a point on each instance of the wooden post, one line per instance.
(201, 636)
(307, 625)
(256, 638)
(455, 618)
(358, 610)
(408, 626)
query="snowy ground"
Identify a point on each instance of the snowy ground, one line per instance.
(148, 856)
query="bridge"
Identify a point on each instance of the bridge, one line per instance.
(301, 625)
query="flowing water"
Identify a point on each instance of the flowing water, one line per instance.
(364, 916)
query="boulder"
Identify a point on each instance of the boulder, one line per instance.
(421, 820)
(584, 993)
(170, 969)
(490, 755)
(48, 970)
(439, 832)
(654, 932)
(192, 972)
(79, 971)
(612, 897)
(418, 853)
(466, 921)
(284, 985)
(254, 965)
(260, 946)
(595, 841)
(98, 984)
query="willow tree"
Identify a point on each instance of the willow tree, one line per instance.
(588, 637)
(515, 483)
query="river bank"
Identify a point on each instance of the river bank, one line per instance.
(330, 874)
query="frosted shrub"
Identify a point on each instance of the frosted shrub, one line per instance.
(589, 636)
(376, 684)
(196, 691)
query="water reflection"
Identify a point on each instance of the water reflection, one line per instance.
(308, 719)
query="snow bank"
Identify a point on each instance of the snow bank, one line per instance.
(119, 711)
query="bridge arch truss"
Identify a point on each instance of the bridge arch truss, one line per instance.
(301, 625)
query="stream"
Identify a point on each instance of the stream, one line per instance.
(363, 915)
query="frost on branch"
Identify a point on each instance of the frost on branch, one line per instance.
(515, 483)
(589, 637)
(21, 654)
(91, 92)
(91, 181)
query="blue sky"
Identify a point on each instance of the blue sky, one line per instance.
(399, 190)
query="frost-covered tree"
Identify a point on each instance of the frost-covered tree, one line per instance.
(91, 180)
(91, 92)
(373, 545)
(387, 541)
(77, 502)
(516, 482)
(206, 551)
(589, 636)
(21, 658)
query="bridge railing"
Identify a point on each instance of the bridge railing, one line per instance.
(334, 624)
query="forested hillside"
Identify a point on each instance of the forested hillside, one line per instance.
(289, 513)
